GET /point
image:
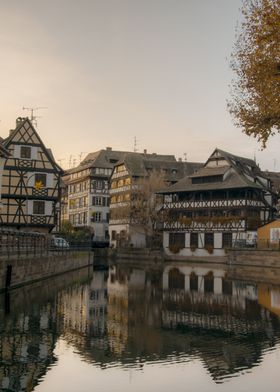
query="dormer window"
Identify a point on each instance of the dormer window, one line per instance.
(25, 152)
(207, 179)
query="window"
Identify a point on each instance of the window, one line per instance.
(96, 217)
(194, 240)
(25, 152)
(176, 280)
(203, 180)
(227, 240)
(38, 207)
(209, 240)
(193, 282)
(97, 184)
(41, 178)
(177, 239)
(97, 201)
(209, 282)
(227, 286)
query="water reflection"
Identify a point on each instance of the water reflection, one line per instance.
(127, 317)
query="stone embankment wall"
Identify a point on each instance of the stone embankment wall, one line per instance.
(257, 258)
(16, 272)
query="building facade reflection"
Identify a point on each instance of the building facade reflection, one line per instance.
(130, 316)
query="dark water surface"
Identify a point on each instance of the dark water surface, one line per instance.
(181, 327)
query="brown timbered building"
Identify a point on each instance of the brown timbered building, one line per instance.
(30, 182)
(221, 204)
(134, 206)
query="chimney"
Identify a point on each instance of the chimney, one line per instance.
(145, 151)
(180, 159)
(108, 148)
(19, 120)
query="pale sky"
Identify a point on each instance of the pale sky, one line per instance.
(111, 70)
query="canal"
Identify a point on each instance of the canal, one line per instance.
(181, 327)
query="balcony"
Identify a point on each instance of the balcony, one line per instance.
(229, 203)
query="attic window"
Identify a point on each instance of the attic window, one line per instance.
(25, 152)
(111, 160)
(208, 179)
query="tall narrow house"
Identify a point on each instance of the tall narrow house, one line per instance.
(30, 182)
(3, 156)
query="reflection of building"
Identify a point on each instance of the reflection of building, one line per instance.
(30, 327)
(269, 298)
(219, 205)
(25, 355)
(206, 298)
(84, 308)
(223, 318)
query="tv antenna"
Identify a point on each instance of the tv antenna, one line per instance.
(80, 155)
(32, 117)
(135, 149)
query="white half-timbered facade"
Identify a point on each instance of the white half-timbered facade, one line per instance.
(219, 206)
(86, 195)
(30, 182)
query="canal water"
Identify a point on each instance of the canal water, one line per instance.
(178, 327)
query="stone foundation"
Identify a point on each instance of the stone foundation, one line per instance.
(27, 270)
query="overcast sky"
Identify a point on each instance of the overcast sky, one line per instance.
(111, 70)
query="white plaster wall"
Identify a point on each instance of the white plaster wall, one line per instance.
(199, 252)
(165, 239)
(187, 240)
(34, 151)
(48, 207)
(218, 240)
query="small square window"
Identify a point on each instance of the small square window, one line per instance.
(25, 152)
(38, 207)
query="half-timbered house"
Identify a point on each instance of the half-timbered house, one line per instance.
(134, 206)
(3, 156)
(86, 193)
(218, 206)
(30, 183)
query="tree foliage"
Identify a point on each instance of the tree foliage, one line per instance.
(255, 95)
(142, 210)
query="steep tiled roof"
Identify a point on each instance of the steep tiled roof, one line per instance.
(241, 173)
(141, 165)
(102, 158)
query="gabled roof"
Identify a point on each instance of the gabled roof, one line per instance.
(102, 158)
(21, 121)
(141, 165)
(4, 153)
(239, 173)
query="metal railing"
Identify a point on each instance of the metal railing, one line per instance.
(37, 244)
